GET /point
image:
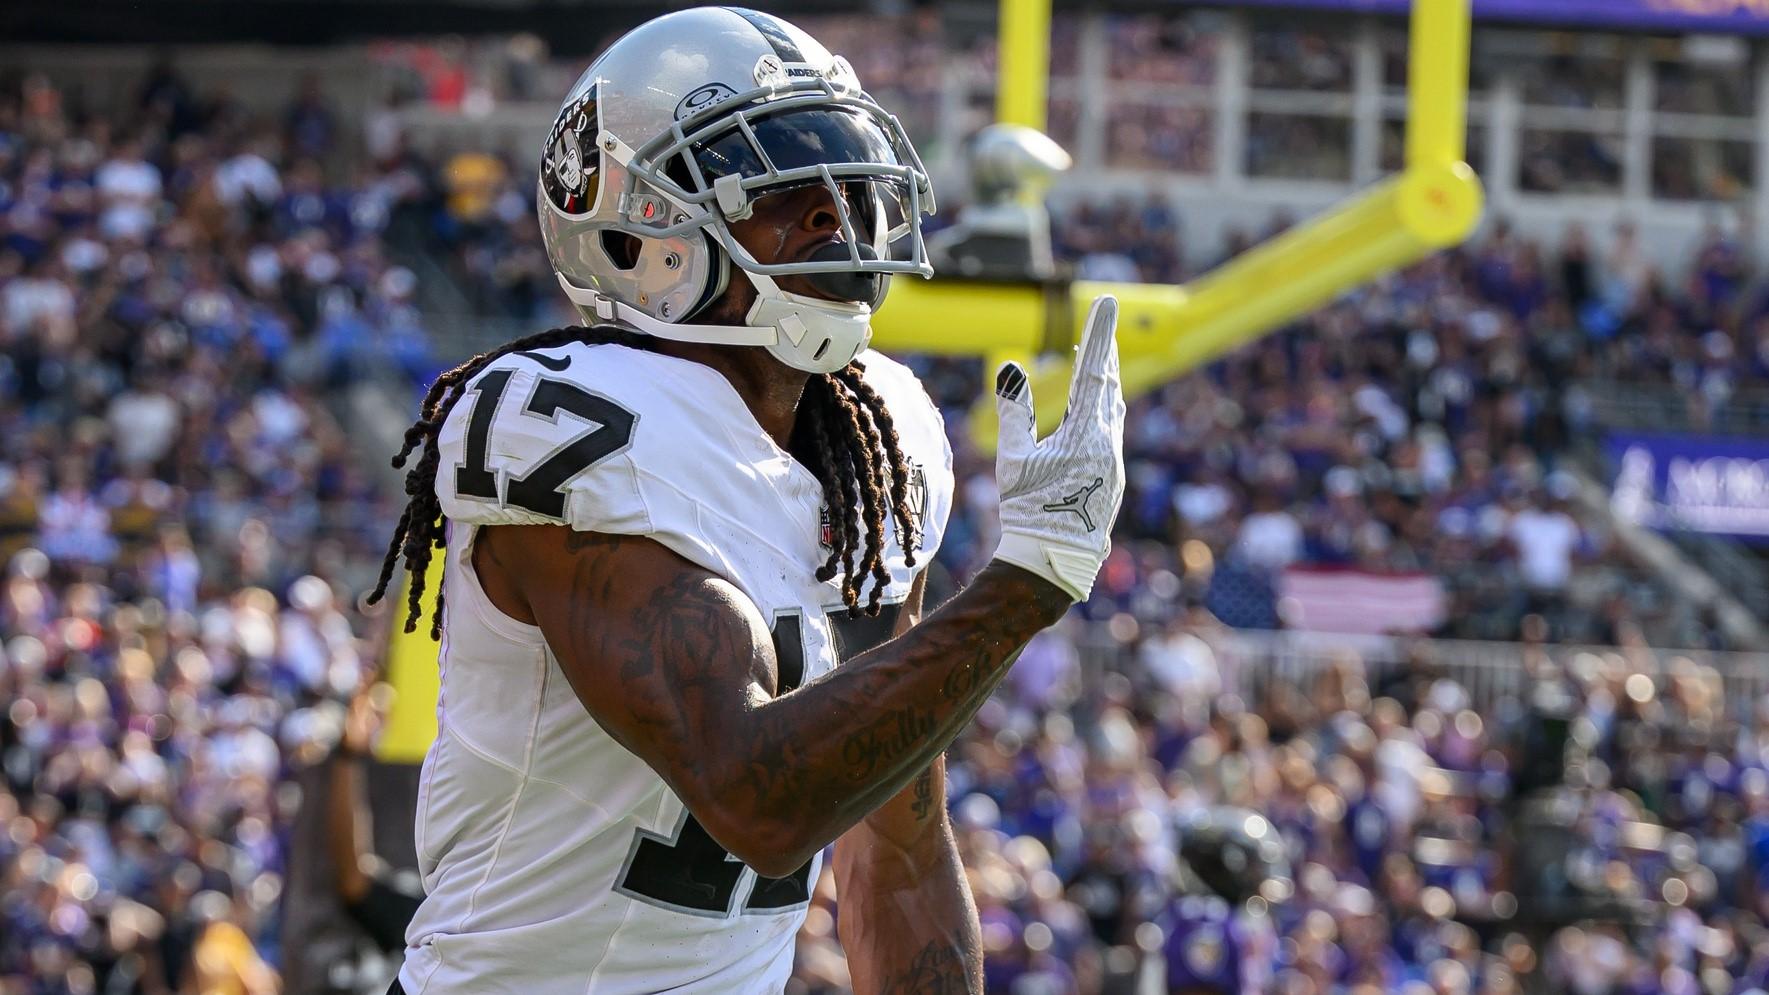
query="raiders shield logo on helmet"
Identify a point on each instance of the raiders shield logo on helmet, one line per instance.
(568, 165)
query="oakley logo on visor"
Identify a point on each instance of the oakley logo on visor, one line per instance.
(702, 98)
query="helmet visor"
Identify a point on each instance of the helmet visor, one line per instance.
(793, 149)
(799, 139)
(722, 158)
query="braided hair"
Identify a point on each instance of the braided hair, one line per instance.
(843, 433)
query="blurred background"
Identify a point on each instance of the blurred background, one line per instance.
(1457, 583)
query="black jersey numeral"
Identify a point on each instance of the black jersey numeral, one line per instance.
(690, 872)
(472, 479)
(540, 489)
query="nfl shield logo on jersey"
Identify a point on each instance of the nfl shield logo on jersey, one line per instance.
(916, 495)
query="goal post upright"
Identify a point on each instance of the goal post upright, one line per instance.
(1022, 53)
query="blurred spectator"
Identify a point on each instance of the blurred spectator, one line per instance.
(225, 961)
(473, 181)
(1545, 538)
(75, 527)
(144, 420)
(129, 193)
(1270, 537)
(381, 902)
(310, 124)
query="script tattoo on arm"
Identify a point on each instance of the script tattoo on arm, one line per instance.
(870, 749)
(936, 969)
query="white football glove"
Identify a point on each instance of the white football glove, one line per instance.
(1059, 495)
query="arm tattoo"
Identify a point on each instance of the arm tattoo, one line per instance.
(937, 969)
(891, 710)
(923, 805)
(899, 732)
(698, 695)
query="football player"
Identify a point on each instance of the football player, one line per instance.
(1231, 877)
(683, 648)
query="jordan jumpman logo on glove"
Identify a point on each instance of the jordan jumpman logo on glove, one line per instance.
(1077, 502)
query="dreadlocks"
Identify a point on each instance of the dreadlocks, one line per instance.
(843, 433)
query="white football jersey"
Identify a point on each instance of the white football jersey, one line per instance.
(555, 861)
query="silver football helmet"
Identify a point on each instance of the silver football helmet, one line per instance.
(674, 132)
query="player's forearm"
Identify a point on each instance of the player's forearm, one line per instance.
(816, 761)
(907, 921)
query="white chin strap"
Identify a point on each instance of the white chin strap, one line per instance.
(805, 333)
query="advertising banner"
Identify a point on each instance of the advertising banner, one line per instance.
(1719, 16)
(1697, 483)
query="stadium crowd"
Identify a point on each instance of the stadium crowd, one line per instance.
(1399, 801)
(182, 521)
(188, 293)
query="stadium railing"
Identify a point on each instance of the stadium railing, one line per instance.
(1667, 408)
(1491, 673)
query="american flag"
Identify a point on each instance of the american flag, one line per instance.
(1327, 600)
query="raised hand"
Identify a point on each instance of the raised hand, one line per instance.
(1060, 494)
